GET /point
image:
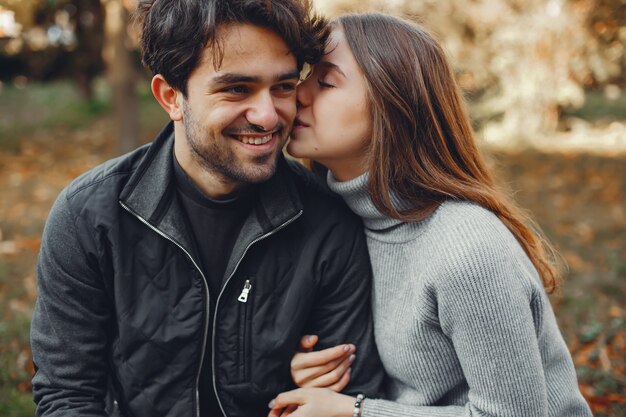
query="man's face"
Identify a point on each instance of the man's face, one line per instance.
(236, 118)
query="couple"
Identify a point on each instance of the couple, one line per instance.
(178, 279)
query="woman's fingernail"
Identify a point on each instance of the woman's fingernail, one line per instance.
(349, 370)
(309, 339)
(351, 358)
(346, 348)
(272, 404)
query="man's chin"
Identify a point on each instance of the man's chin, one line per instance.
(255, 173)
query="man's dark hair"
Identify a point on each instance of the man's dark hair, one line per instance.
(176, 32)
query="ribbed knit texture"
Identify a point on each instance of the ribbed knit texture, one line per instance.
(462, 322)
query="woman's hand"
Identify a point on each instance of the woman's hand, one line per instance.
(328, 368)
(311, 402)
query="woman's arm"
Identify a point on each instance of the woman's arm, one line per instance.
(312, 402)
(490, 308)
(490, 315)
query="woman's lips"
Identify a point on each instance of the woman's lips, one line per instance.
(299, 124)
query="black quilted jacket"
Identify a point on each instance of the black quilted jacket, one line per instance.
(120, 325)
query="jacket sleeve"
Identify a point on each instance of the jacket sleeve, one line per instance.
(342, 313)
(69, 329)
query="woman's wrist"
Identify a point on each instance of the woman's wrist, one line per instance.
(347, 406)
(357, 405)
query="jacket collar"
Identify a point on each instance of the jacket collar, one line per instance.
(150, 194)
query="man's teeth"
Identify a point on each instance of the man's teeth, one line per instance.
(255, 140)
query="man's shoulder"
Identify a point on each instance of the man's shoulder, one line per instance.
(108, 178)
(307, 180)
(315, 194)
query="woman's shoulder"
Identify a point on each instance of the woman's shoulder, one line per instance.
(460, 219)
(472, 239)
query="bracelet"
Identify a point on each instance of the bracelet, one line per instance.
(357, 405)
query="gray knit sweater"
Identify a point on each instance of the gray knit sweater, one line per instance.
(462, 322)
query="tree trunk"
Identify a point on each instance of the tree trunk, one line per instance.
(121, 74)
(87, 58)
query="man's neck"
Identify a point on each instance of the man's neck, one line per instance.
(214, 186)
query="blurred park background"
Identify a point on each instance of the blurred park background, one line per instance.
(546, 85)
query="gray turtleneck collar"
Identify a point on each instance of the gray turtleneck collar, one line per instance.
(355, 194)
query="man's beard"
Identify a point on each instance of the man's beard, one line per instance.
(217, 154)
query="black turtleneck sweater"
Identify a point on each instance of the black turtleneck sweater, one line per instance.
(215, 225)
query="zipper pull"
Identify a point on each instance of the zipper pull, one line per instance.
(243, 297)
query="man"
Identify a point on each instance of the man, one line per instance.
(177, 280)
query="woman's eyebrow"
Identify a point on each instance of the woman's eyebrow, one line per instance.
(333, 66)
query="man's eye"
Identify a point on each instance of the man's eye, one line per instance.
(286, 87)
(236, 89)
(324, 84)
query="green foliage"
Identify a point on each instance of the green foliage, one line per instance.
(590, 332)
(14, 357)
(4, 272)
(33, 108)
(16, 404)
(598, 107)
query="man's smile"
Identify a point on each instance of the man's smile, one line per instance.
(254, 139)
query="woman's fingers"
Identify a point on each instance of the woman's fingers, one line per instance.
(295, 397)
(282, 411)
(329, 372)
(311, 402)
(307, 342)
(290, 409)
(322, 357)
(275, 412)
(343, 382)
(325, 376)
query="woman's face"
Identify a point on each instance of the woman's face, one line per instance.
(333, 125)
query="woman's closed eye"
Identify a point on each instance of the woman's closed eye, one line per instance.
(324, 84)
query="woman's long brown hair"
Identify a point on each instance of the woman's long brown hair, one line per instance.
(423, 147)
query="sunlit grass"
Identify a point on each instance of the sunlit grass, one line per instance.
(598, 107)
(35, 108)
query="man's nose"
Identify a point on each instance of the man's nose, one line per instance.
(263, 112)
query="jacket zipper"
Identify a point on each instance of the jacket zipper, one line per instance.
(206, 289)
(217, 303)
(243, 328)
(243, 297)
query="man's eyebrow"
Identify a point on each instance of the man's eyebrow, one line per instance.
(233, 78)
(289, 76)
(333, 66)
(230, 78)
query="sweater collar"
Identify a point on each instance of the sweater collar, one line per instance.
(357, 197)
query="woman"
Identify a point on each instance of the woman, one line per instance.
(462, 320)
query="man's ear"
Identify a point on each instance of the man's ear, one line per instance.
(168, 97)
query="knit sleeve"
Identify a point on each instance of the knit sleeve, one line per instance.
(489, 310)
(487, 307)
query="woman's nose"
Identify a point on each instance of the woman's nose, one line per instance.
(303, 94)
